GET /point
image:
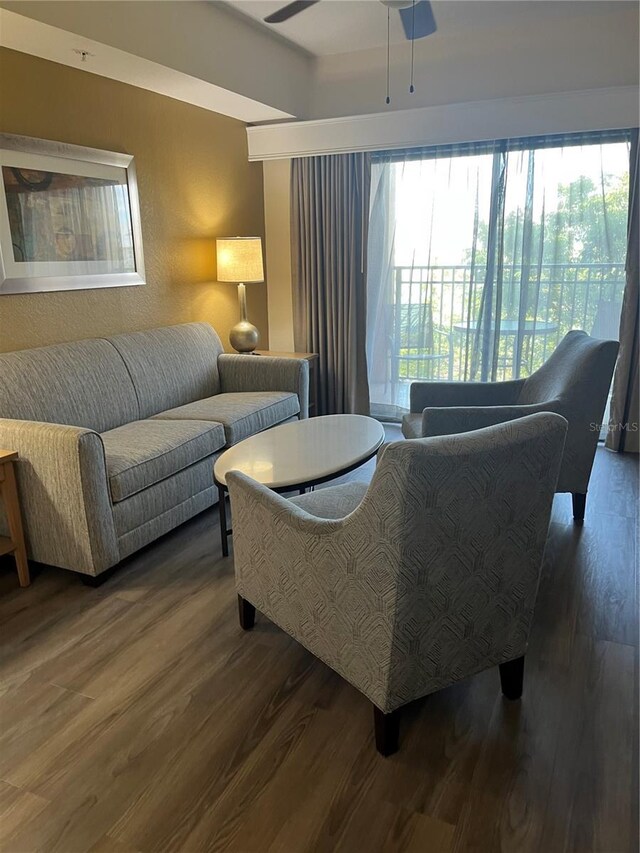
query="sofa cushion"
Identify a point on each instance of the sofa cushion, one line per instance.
(149, 507)
(171, 366)
(84, 384)
(142, 453)
(241, 414)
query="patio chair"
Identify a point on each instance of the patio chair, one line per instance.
(418, 347)
(574, 382)
(423, 578)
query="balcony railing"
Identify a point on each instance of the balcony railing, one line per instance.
(431, 331)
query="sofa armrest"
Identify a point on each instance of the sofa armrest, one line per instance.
(64, 497)
(441, 394)
(456, 419)
(266, 373)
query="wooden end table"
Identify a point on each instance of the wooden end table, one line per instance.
(14, 542)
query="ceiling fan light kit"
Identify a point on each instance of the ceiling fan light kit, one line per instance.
(416, 17)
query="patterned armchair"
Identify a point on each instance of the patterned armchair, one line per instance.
(425, 577)
(574, 382)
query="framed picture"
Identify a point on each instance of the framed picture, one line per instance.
(69, 217)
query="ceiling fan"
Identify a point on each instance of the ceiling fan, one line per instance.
(416, 15)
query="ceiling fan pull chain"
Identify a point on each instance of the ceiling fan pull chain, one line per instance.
(413, 41)
(388, 98)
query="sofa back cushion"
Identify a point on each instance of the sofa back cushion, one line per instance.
(171, 366)
(84, 383)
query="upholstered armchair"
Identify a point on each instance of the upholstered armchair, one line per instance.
(574, 382)
(423, 578)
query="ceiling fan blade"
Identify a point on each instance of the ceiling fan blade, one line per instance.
(418, 21)
(289, 11)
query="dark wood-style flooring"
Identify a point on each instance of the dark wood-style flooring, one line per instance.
(139, 716)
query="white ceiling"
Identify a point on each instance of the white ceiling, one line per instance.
(191, 51)
(331, 60)
(345, 26)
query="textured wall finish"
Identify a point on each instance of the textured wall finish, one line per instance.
(277, 220)
(195, 184)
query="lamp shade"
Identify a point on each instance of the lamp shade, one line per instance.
(240, 259)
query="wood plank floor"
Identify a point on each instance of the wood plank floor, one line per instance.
(139, 717)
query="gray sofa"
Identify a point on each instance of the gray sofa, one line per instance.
(117, 436)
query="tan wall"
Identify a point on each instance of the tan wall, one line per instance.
(277, 215)
(195, 184)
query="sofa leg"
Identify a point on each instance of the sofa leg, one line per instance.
(511, 678)
(579, 503)
(387, 730)
(95, 580)
(247, 614)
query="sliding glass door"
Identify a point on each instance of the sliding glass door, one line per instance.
(481, 258)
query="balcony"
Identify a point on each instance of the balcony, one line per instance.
(431, 322)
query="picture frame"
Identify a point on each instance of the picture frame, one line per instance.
(69, 217)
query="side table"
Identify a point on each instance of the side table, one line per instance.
(14, 542)
(313, 359)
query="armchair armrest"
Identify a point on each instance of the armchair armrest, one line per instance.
(64, 495)
(441, 394)
(456, 419)
(317, 580)
(248, 495)
(266, 373)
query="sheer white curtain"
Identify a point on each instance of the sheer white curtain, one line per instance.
(481, 258)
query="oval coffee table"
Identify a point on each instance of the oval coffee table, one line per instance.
(298, 455)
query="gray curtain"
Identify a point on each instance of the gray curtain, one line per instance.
(623, 426)
(329, 219)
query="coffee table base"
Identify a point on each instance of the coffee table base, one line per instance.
(222, 514)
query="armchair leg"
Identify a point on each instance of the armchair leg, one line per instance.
(579, 503)
(247, 614)
(511, 677)
(387, 730)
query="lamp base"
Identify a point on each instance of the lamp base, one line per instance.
(244, 336)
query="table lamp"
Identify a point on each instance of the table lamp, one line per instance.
(240, 260)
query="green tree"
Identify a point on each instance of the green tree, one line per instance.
(593, 220)
(589, 226)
